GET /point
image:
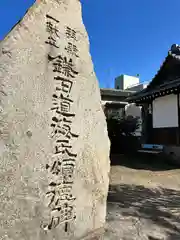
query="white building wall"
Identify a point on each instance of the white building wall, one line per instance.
(165, 112)
(124, 81)
(130, 80)
(119, 83)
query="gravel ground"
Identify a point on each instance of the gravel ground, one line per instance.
(144, 200)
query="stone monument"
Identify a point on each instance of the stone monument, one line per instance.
(54, 147)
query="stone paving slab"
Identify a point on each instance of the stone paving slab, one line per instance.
(143, 203)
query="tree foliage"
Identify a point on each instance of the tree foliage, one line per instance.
(121, 132)
(122, 126)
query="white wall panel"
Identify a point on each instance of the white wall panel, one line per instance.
(165, 112)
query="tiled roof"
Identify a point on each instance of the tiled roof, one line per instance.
(115, 92)
(118, 103)
(115, 104)
(161, 90)
(155, 85)
(174, 52)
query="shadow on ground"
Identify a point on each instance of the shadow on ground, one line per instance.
(160, 206)
(143, 162)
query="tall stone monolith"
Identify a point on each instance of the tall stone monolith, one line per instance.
(54, 147)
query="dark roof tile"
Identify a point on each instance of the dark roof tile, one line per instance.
(174, 53)
(115, 92)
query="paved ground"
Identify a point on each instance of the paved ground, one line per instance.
(144, 200)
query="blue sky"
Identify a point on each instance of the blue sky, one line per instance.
(126, 36)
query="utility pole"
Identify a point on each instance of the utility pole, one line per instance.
(108, 80)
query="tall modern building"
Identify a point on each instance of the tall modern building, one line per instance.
(131, 83)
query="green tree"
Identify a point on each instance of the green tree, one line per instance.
(121, 133)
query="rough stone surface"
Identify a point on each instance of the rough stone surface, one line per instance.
(32, 157)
